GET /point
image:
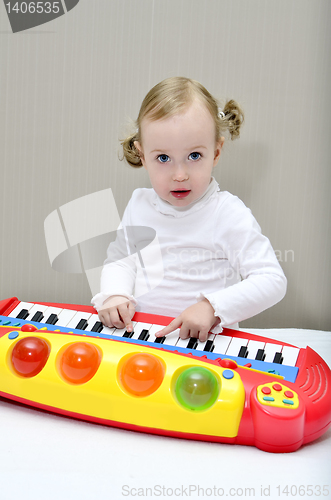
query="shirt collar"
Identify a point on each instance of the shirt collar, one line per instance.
(165, 208)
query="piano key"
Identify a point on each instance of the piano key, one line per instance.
(52, 320)
(153, 330)
(82, 324)
(207, 345)
(193, 343)
(36, 308)
(260, 355)
(97, 328)
(221, 343)
(65, 316)
(38, 316)
(139, 328)
(253, 346)
(159, 340)
(210, 346)
(235, 345)
(127, 334)
(77, 318)
(185, 342)
(270, 351)
(172, 338)
(22, 305)
(119, 332)
(290, 355)
(50, 314)
(144, 335)
(23, 314)
(243, 353)
(278, 358)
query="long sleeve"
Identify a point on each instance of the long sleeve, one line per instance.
(119, 270)
(252, 258)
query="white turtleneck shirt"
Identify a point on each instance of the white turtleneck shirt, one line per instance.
(212, 248)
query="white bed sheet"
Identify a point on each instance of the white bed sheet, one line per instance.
(44, 456)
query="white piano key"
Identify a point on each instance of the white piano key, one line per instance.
(65, 317)
(34, 309)
(182, 342)
(270, 351)
(253, 346)
(139, 327)
(51, 310)
(235, 345)
(92, 320)
(172, 338)
(19, 307)
(76, 319)
(153, 330)
(202, 345)
(221, 343)
(290, 355)
(119, 332)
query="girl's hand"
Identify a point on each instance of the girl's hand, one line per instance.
(196, 321)
(117, 311)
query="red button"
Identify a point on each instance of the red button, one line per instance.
(289, 394)
(277, 387)
(228, 363)
(266, 390)
(28, 328)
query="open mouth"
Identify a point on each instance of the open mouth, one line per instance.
(181, 193)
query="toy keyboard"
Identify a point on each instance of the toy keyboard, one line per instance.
(234, 388)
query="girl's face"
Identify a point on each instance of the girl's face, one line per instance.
(179, 154)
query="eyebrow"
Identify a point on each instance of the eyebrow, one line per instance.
(189, 149)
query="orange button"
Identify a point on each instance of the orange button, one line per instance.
(277, 387)
(289, 394)
(266, 390)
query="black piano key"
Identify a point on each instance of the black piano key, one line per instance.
(159, 340)
(260, 355)
(52, 320)
(23, 314)
(82, 324)
(127, 334)
(144, 335)
(210, 346)
(38, 316)
(243, 352)
(98, 327)
(192, 344)
(278, 358)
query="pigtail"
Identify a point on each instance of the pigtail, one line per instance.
(233, 118)
(130, 152)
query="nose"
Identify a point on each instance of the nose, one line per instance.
(180, 173)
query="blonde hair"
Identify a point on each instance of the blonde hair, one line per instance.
(173, 96)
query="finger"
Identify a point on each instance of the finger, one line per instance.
(170, 328)
(203, 335)
(125, 316)
(184, 332)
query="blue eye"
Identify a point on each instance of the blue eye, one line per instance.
(194, 156)
(163, 158)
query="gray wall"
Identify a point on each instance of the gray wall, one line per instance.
(68, 87)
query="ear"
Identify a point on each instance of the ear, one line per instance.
(138, 146)
(218, 150)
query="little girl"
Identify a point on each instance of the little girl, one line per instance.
(218, 267)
